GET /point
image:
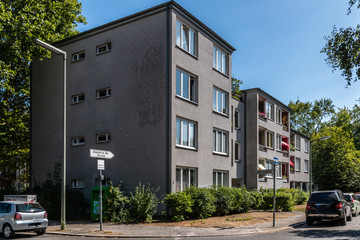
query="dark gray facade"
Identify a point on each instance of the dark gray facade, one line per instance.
(131, 94)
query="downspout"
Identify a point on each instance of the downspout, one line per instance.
(168, 101)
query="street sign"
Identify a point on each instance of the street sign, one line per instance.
(276, 160)
(100, 164)
(95, 153)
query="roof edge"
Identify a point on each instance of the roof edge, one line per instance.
(268, 96)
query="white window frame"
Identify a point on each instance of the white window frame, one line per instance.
(77, 98)
(184, 76)
(278, 116)
(220, 142)
(306, 145)
(269, 110)
(278, 171)
(77, 183)
(105, 46)
(223, 101)
(238, 149)
(269, 164)
(107, 93)
(220, 60)
(278, 142)
(181, 180)
(297, 164)
(224, 178)
(106, 135)
(297, 142)
(77, 141)
(180, 142)
(78, 56)
(306, 165)
(186, 38)
(237, 121)
(271, 134)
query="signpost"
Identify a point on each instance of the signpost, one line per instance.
(276, 161)
(96, 153)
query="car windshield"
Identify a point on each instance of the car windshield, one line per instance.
(29, 207)
(347, 197)
(324, 196)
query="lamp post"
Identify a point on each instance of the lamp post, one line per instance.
(318, 139)
(63, 187)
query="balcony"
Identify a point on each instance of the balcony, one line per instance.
(262, 116)
(262, 148)
(286, 153)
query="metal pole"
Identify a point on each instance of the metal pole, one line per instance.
(100, 196)
(310, 163)
(274, 199)
(63, 190)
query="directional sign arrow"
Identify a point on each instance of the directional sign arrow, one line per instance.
(96, 153)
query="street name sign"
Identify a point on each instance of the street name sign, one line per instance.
(96, 153)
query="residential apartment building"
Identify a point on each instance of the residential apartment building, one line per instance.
(299, 160)
(267, 139)
(154, 88)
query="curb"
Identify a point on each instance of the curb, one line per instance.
(172, 236)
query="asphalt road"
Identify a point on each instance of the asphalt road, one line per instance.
(323, 230)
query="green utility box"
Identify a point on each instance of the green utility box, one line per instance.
(95, 201)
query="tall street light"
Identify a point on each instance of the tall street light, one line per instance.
(63, 187)
(318, 139)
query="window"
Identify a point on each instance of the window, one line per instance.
(103, 137)
(269, 111)
(278, 116)
(306, 146)
(297, 143)
(103, 48)
(78, 98)
(269, 165)
(220, 101)
(104, 182)
(186, 86)
(297, 164)
(186, 38)
(185, 133)
(78, 56)
(270, 140)
(237, 152)
(220, 61)
(101, 93)
(278, 142)
(77, 183)
(306, 165)
(5, 208)
(237, 119)
(292, 164)
(279, 171)
(185, 177)
(220, 141)
(77, 141)
(220, 178)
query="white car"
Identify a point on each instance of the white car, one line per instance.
(19, 216)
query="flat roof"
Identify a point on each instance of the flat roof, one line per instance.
(262, 92)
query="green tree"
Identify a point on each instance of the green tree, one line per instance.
(308, 117)
(22, 21)
(336, 162)
(236, 87)
(342, 49)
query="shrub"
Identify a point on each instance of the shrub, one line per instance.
(284, 200)
(224, 200)
(143, 203)
(238, 200)
(114, 205)
(180, 205)
(204, 202)
(299, 196)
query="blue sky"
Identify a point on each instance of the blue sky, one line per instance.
(278, 42)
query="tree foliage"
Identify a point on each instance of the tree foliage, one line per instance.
(236, 87)
(308, 117)
(22, 21)
(342, 49)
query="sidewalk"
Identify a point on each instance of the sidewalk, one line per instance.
(113, 230)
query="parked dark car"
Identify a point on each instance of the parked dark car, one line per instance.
(328, 205)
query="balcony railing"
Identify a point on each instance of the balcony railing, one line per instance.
(262, 148)
(286, 153)
(285, 128)
(262, 116)
(285, 179)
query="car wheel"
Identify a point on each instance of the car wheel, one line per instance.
(349, 218)
(309, 221)
(40, 232)
(343, 221)
(8, 231)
